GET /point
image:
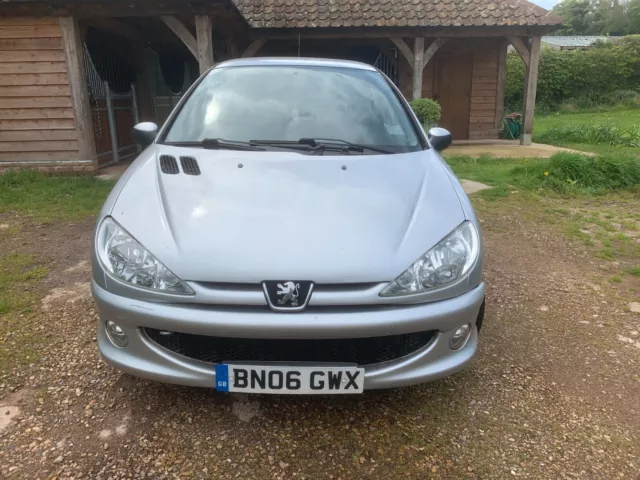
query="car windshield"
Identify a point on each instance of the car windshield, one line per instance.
(279, 103)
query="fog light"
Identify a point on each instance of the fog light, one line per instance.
(116, 334)
(459, 337)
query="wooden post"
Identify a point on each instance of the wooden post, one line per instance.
(232, 48)
(502, 79)
(205, 42)
(134, 104)
(111, 115)
(72, 42)
(530, 87)
(418, 56)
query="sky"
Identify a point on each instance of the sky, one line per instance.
(548, 4)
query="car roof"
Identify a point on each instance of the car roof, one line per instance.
(295, 61)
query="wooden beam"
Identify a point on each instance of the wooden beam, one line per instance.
(431, 51)
(182, 32)
(205, 42)
(404, 49)
(395, 32)
(502, 80)
(418, 67)
(254, 47)
(530, 88)
(521, 48)
(116, 27)
(72, 42)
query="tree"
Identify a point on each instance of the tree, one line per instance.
(618, 23)
(576, 15)
(599, 17)
(600, 13)
(633, 14)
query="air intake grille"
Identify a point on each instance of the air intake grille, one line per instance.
(190, 165)
(169, 165)
(361, 351)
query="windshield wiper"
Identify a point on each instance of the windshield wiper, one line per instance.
(320, 144)
(336, 142)
(217, 144)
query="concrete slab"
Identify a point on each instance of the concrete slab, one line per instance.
(470, 186)
(7, 414)
(113, 172)
(504, 149)
(109, 176)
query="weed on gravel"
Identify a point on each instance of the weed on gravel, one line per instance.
(19, 341)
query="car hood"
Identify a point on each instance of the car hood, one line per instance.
(253, 216)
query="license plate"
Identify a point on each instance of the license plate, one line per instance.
(292, 380)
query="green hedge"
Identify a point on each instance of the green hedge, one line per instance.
(427, 110)
(592, 75)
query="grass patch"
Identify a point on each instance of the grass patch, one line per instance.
(593, 134)
(621, 117)
(593, 174)
(597, 149)
(564, 173)
(635, 271)
(608, 120)
(47, 198)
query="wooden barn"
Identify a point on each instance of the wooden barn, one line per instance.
(76, 75)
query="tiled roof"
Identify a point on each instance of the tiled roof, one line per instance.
(393, 13)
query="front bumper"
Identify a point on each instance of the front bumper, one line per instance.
(145, 358)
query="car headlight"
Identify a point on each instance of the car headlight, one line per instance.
(124, 258)
(450, 260)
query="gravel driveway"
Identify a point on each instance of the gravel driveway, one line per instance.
(553, 393)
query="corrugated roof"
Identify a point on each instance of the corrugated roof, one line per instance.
(393, 13)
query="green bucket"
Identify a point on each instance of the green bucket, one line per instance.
(511, 129)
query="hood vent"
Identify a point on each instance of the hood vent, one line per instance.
(169, 165)
(190, 165)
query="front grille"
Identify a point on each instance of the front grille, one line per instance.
(360, 351)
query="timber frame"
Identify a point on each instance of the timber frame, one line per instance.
(426, 43)
(531, 59)
(418, 58)
(44, 98)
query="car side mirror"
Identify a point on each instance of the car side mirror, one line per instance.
(440, 138)
(145, 133)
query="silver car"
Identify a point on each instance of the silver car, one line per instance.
(290, 229)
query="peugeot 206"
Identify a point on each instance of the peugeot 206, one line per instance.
(291, 228)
